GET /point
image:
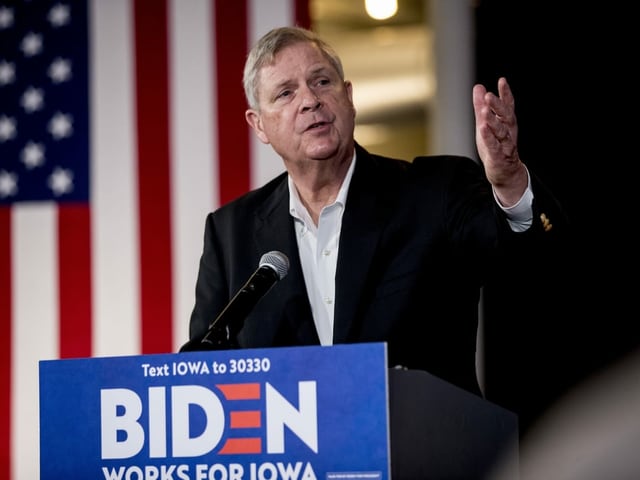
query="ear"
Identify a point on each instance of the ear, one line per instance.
(255, 122)
(349, 87)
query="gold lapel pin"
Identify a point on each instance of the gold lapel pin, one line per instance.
(546, 224)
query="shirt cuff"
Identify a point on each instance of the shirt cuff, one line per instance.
(520, 215)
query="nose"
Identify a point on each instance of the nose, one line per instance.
(310, 100)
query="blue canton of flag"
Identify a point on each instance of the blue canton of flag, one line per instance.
(44, 97)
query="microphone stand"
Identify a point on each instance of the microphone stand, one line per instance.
(217, 338)
(273, 266)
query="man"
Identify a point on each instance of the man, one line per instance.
(380, 249)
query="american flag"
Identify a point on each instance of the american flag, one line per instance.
(121, 126)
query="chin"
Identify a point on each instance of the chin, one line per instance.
(326, 149)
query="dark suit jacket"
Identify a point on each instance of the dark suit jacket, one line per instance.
(418, 240)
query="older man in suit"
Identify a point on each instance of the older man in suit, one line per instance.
(380, 249)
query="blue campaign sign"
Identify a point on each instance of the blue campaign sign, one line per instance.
(257, 414)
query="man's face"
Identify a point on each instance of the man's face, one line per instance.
(306, 111)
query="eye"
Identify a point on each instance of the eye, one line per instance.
(321, 82)
(284, 94)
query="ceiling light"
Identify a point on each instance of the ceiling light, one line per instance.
(381, 9)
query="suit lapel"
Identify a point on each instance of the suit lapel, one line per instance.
(275, 231)
(366, 213)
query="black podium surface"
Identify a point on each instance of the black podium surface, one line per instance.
(439, 431)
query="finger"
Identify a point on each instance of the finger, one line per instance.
(504, 91)
(498, 116)
(479, 103)
(500, 131)
(501, 109)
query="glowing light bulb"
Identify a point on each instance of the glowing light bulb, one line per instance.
(381, 9)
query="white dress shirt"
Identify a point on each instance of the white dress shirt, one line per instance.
(318, 249)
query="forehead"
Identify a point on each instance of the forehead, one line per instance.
(292, 60)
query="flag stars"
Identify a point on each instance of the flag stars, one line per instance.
(8, 184)
(60, 70)
(7, 128)
(61, 181)
(31, 44)
(32, 99)
(6, 17)
(7, 72)
(32, 155)
(38, 69)
(59, 15)
(60, 126)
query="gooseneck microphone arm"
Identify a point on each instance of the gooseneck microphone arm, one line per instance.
(273, 266)
(241, 304)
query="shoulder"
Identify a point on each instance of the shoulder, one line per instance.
(441, 170)
(424, 164)
(367, 160)
(249, 204)
(444, 163)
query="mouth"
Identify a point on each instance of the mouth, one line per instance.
(316, 125)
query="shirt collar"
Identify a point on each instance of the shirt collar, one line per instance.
(297, 209)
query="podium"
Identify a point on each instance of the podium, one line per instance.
(439, 431)
(292, 412)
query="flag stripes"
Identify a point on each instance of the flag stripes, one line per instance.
(154, 191)
(167, 144)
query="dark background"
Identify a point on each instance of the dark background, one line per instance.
(570, 69)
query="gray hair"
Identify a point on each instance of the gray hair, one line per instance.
(266, 49)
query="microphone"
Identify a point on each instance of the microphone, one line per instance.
(273, 266)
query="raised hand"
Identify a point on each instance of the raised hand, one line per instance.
(497, 141)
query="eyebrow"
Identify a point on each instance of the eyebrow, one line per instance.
(314, 72)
